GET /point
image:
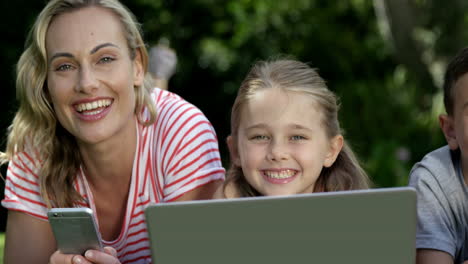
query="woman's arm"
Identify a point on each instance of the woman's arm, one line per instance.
(219, 193)
(30, 240)
(27, 239)
(203, 192)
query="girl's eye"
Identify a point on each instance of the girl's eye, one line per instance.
(297, 137)
(63, 67)
(259, 137)
(106, 60)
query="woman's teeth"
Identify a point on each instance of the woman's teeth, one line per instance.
(93, 105)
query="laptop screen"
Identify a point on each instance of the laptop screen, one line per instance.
(365, 226)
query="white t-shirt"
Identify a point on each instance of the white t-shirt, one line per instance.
(176, 154)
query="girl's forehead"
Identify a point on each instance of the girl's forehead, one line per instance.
(273, 106)
(281, 98)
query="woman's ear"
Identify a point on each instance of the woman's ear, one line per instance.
(138, 72)
(336, 144)
(447, 124)
(234, 153)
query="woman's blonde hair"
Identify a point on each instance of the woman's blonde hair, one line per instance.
(35, 126)
(295, 76)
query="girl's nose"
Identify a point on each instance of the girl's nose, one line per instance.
(277, 151)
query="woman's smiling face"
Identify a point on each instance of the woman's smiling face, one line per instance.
(91, 74)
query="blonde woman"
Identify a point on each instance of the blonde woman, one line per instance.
(91, 132)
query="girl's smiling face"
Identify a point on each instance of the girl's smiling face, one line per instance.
(91, 74)
(282, 145)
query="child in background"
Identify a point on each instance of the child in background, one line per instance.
(441, 178)
(285, 136)
(162, 63)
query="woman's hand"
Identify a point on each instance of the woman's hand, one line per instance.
(109, 256)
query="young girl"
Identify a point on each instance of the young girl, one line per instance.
(285, 136)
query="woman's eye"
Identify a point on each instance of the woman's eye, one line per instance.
(64, 67)
(106, 60)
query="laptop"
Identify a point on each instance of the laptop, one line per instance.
(364, 226)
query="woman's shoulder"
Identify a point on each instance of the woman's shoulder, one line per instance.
(27, 154)
(169, 104)
(161, 96)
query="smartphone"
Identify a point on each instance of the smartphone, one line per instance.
(75, 230)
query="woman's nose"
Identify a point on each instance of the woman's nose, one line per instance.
(87, 81)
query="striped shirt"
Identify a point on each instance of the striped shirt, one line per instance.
(175, 155)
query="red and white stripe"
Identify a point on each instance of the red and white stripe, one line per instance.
(176, 154)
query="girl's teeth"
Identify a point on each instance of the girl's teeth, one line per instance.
(280, 175)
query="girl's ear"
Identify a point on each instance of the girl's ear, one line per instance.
(234, 153)
(138, 72)
(336, 144)
(446, 123)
